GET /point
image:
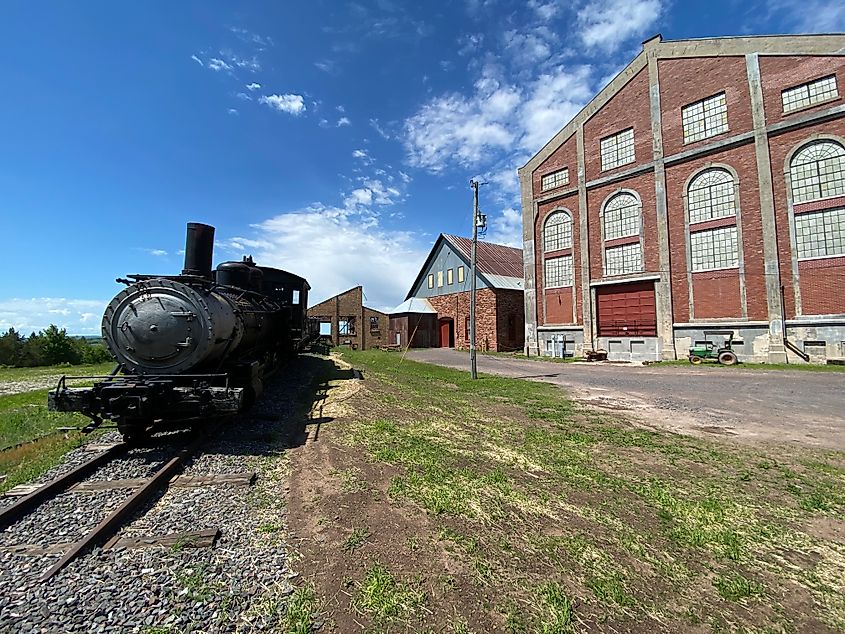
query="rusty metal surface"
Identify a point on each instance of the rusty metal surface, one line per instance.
(495, 259)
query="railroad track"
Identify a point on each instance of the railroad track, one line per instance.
(76, 481)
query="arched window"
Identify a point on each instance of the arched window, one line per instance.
(557, 232)
(818, 171)
(711, 195)
(621, 217)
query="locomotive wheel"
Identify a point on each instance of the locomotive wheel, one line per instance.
(695, 360)
(728, 358)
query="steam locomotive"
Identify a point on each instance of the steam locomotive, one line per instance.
(193, 346)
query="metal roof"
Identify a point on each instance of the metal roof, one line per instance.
(413, 305)
(493, 259)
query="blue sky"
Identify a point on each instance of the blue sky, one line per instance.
(335, 140)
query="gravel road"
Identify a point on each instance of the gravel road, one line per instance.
(751, 405)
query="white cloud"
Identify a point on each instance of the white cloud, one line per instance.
(474, 131)
(527, 47)
(243, 96)
(253, 86)
(292, 104)
(343, 121)
(506, 228)
(218, 64)
(809, 16)
(326, 65)
(545, 10)
(606, 24)
(374, 123)
(252, 38)
(232, 111)
(26, 315)
(197, 60)
(337, 248)
(362, 155)
(158, 252)
(340, 109)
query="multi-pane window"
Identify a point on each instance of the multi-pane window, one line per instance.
(450, 276)
(557, 232)
(810, 93)
(558, 272)
(818, 171)
(714, 249)
(439, 279)
(705, 118)
(460, 275)
(712, 195)
(627, 258)
(555, 179)
(820, 233)
(617, 150)
(621, 217)
(374, 325)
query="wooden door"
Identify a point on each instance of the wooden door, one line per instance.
(626, 310)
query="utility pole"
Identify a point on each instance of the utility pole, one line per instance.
(472, 263)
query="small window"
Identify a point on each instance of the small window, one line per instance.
(346, 326)
(705, 118)
(439, 279)
(431, 280)
(325, 329)
(466, 329)
(621, 217)
(558, 272)
(450, 276)
(555, 179)
(820, 233)
(374, 325)
(295, 297)
(618, 149)
(714, 249)
(809, 94)
(460, 275)
(557, 232)
(627, 258)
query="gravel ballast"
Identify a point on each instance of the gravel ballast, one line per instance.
(239, 585)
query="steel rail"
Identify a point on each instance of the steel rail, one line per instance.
(19, 509)
(109, 526)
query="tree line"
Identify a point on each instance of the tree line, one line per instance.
(49, 347)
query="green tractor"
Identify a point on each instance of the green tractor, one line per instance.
(708, 350)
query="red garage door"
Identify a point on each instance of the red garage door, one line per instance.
(626, 310)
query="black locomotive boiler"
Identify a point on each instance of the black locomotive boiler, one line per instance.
(193, 346)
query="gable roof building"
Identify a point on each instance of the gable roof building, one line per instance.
(702, 189)
(444, 281)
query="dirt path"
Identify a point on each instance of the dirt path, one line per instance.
(750, 405)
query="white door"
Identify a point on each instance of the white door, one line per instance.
(398, 339)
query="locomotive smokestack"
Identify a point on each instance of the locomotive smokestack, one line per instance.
(199, 246)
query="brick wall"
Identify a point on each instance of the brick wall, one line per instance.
(349, 304)
(510, 320)
(779, 148)
(554, 306)
(630, 107)
(687, 80)
(779, 73)
(565, 156)
(643, 184)
(489, 310)
(743, 161)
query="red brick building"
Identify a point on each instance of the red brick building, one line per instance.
(444, 281)
(703, 189)
(345, 321)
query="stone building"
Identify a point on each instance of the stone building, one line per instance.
(444, 281)
(702, 189)
(345, 321)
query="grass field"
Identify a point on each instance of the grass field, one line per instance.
(24, 417)
(500, 504)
